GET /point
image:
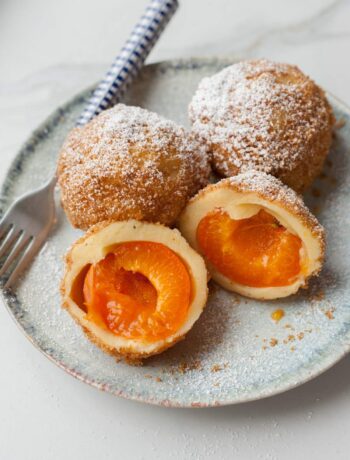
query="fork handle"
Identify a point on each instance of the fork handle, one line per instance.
(130, 59)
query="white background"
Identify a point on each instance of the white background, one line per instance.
(49, 50)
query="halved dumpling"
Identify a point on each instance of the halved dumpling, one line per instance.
(135, 288)
(256, 235)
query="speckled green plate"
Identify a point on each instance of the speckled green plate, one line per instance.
(235, 352)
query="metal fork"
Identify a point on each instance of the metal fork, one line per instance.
(27, 223)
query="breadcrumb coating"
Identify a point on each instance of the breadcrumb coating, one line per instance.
(265, 116)
(130, 163)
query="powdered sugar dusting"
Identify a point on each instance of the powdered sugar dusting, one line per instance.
(227, 356)
(130, 163)
(261, 115)
(272, 189)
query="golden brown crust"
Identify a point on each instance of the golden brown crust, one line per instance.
(133, 358)
(264, 116)
(126, 349)
(125, 353)
(129, 163)
(248, 192)
(271, 189)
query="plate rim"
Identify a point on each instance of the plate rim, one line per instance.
(12, 171)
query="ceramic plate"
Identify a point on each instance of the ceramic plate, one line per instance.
(235, 352)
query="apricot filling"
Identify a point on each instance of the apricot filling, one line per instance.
(141, 290)
(256, 252)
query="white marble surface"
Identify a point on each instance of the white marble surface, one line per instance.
(50, 50)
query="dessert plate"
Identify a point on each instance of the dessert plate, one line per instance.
(238, 350)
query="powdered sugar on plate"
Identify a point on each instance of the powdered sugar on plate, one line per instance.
(235, 352)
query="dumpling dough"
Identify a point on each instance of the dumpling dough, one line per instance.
(242, 197)
(93, 248)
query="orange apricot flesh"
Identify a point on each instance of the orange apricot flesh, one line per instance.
(256, 251)
(141, 290)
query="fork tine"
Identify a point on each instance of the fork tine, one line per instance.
(9, 241)
(18, 247)
(4, 228)
(23, 262)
